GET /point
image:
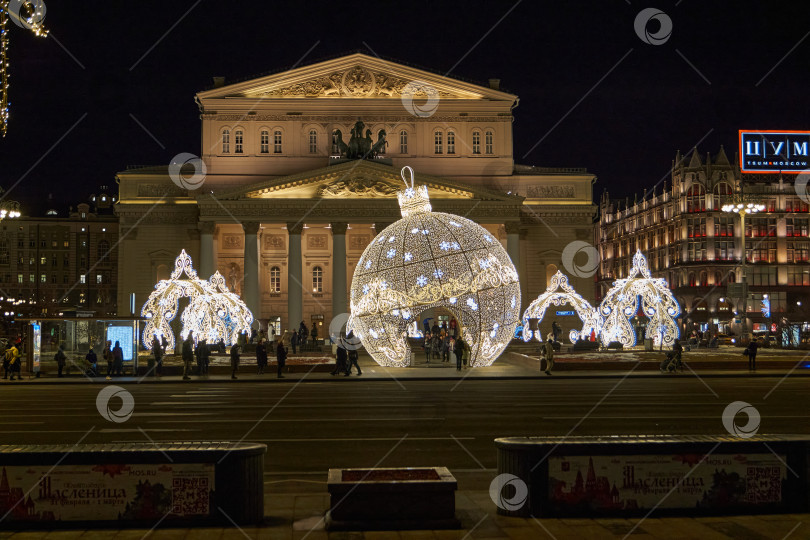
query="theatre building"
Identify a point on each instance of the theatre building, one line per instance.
(302, 170)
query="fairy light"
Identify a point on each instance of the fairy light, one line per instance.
(432, 260)
(553, 296)
(214, 313)
(621, 303)
(33, 21)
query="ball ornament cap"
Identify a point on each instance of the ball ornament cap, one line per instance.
(430, 260)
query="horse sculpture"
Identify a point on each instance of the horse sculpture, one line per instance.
(341, 147)
(379, 146)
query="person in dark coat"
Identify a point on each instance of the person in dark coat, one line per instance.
(234, 360)
(261, 356)
(341, 360)
(108, 356)
(352, 356)
(205, 356)
(303, 332)
(92, 359)
(752, 355)
(60, 360)
(428, 346)
(294, 341)
(281, 358)
(188, 357)
(118, 359)
(198, 356)
(446, 348)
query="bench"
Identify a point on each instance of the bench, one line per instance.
(131, 485)
(623, 476)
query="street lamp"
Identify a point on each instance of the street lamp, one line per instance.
(743, 209)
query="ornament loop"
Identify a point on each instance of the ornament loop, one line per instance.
(402, 173)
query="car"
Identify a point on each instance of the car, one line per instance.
(725, 339)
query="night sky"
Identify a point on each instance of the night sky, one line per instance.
(649, 103)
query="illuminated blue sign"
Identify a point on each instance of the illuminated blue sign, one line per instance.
(565, 313)
(774, 151)
(124, 335)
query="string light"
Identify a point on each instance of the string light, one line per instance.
(214, 313)
(31, 20)
(430, 260)
(621, 303)
(590, 317)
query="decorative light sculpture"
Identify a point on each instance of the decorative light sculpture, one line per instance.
(214, 313)
(591, 320)
(656, 300)
(433, 260)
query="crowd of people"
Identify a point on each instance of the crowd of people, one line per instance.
(444, 342)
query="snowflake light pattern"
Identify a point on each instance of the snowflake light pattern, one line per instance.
(558, 293)
(213, 313)
(456, 273)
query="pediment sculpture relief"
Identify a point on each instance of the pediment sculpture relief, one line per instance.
(359, 186)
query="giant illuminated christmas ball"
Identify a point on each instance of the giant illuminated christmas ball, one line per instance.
(433, 260)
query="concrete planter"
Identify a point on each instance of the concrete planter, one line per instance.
(392, 499)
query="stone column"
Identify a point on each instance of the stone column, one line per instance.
(513, 242)
(340, 302)
(207, 263)
(250, 286)
(295, 287)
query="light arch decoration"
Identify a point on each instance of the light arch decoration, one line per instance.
(432, 260)
(560, 292)
(652, 295)
(214, 312)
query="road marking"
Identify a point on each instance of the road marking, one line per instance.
(297, 420)
(174, 403)
(122, 430)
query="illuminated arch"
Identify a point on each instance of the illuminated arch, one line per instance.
(590, 317)
(214, 313)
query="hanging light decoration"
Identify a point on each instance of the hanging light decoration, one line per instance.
(30, 15)
(640, 289)
(591, 320)
(214, 313)
(432, 260)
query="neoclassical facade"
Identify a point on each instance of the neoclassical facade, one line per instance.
(284, 213)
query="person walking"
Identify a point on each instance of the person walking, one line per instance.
(13, 359)
(752, 354)
(261, 356)
(188, 357)
(549, 347)
(281, 358)
(60, 360)
(456, 352)
(341, 359)
(108, 356)
(465, 356)
(205, 356)
(294, 341)
(118, 359)
(353, 357)
(445, 347)
(198, 357)
(314, 334)
(303, 332)
(234, 360)
(428, 346)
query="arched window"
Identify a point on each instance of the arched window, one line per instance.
(692, 282)
(403, 142)
(313, 141)
(704, 279)
(476, 142)
(718, 278)
(335, 148)
(237, 141)
(488, 142)
(265, 142)
(451, 142)
(103, 249)
(696, 199)
(275, 279)
(551, 269)
(317, 279)
(277, 141)
(722, 193)
(437, 142)
(162, 272)
(226, 141)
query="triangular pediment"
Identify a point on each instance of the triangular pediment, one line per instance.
(355, 76)
(358, 179)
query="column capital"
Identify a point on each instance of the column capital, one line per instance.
(512, 227)
(339, 228)
(207, 227)
(251, 227)
(295, 227)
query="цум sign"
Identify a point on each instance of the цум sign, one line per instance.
(769, 151)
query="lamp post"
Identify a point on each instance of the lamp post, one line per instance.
(743, 209)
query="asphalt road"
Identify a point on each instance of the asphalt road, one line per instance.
(312, 426)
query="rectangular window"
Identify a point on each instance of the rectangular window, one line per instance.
(760, 227)
(403, 142)
(53, 278)
(313, 142)
(65, 279)
(43, 278)
(238, 139)
(451, 142)
(476, 142)
(32, 278)
(761, 252)
(265, 142)
(488, 142)
(763, 276)
(65, 244)
(799, 276)
(437, 142)
(696, 227)
(723, 250)
(275, 279)
(98, 278)
(83, 278)
(226, 142)
(43, 261)
(724, 226)
(697, 251)
(277, 142)
(798, 252)
(19, 278)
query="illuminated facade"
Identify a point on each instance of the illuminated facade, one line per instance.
(284, 215)
(697, 247)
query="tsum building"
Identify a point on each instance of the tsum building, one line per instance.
(287, 207)
(697, 248)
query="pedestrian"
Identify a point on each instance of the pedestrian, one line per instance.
(234, 360)
(465, 357)
(281, 358)
(435, 329)
(340, 360)
(314, 334)
(428, 346)
(92, 359)
(108, 356)
(436, 346)
(221, 346)
(205, 356)
(549, 346)
(556, 330)
(271, 333)
(118, 359)
(445, 347)
(454, 352)
(157, 351)
(752, 354)
(294, 341)
(188, 356)
(303, 332)
(353, 356)
(13, 359)
(261, 356)
(198, 357)
(60, 359)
